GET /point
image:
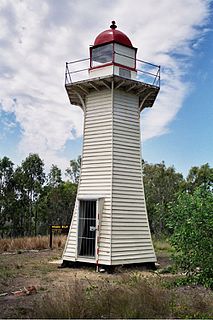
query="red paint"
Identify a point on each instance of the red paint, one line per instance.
(114, 64)
(112, 35)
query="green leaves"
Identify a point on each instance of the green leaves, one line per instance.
(191, 220)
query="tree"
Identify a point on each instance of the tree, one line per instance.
(74, 170)
(199, 176)
(191, 222)
(54, 176)
(161, 184)
(7, 195)
(58, 203)
(34, 177)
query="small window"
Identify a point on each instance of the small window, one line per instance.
(125, 73)
(101, 55)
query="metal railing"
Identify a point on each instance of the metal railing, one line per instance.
(146, 72)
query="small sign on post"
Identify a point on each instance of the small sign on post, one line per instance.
(62, 229)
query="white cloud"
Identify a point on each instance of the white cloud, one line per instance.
(37, 37)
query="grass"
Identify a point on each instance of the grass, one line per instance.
(162, 245)
(133, 297)
(30, 243)
(83, 293)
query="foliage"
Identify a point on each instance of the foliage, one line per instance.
(199, 176)
(191, 222)
(135, 297)
(74, 170)
(30, 201)
(161, 184)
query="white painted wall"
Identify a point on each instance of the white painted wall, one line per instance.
(111, 168)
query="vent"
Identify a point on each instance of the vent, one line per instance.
(125, 73)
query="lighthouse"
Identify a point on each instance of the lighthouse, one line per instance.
(109, 224)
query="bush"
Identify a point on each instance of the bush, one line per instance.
(133, 297)
(191, 220)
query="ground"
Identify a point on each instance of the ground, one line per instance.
(40, 269)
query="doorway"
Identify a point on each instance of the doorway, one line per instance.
(87, 228)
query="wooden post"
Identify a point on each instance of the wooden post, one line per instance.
(51, 237)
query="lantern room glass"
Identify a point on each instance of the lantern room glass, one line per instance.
(102, 55)
(114, 53)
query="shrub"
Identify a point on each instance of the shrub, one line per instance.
(191, 219)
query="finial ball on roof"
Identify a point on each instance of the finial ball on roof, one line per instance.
(113, 25)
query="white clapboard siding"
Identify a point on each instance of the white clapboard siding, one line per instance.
(131, 241)
(96, 170)
(111, 169)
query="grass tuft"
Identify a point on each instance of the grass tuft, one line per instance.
(30, 243)
(138, 297)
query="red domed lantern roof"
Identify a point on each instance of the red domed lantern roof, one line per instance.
(112, 35)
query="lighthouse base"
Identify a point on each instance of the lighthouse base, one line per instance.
(108, 268)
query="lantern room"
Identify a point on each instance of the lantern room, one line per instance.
(113, 54)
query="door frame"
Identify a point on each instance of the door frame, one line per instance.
(99, 210)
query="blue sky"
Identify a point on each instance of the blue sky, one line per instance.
(37, 37)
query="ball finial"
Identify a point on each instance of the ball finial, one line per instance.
(113, 25)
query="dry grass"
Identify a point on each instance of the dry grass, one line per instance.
(30, 243)
(162, 245)
(132, 297)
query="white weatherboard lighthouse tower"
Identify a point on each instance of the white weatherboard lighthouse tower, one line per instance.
(109, 224)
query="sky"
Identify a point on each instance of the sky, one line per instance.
(37, 37)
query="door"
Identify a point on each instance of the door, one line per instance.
(87, 228)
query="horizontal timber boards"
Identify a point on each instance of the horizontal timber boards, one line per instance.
(115, 262)
(107, 114)
(126, 175)
(126, 121)
(100, 162)
(129, 158)
(137, 249)
(122, 164)
(122, 134)
(121, 141)
(132, 254)
(90, 158)
(131, 208)
(125, 170)
(98, 144)
(128, 128)
(92, 173)
(122, 146)
(129, 189)
(126, 198)
(94, 190)
(97, 151)
(98, 138)
(130, 228)
(130, 153)
(120, 110)
(125, 217)
(89, 169)
(125, 112)
(136, 239)
(104, 130)
(96, 124)
(123, 97)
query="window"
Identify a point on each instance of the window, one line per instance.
(102, 55)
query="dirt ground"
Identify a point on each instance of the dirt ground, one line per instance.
(40, 269)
